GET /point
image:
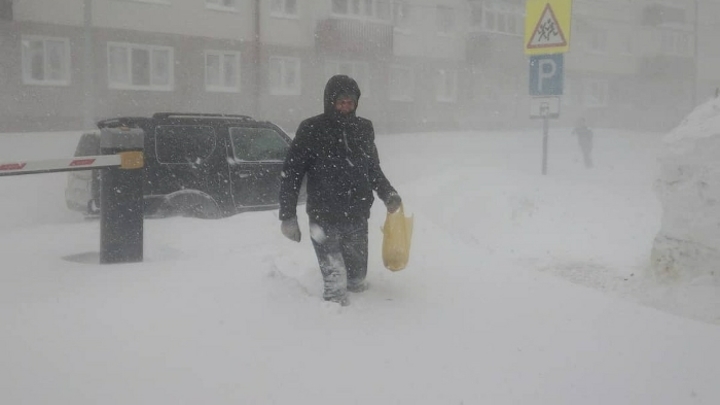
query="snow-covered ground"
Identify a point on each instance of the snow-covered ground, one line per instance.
(522, 289)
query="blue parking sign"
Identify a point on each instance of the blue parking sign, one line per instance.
(546, 75)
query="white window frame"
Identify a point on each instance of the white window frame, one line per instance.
(362, 11)
(360, 71)
(150, 48)
(223, 87)
(497, 11)
(441, 12)
(404, 94)
(27, 68)
(597, 40)
(401, 12)
(670, 43)
(442, 95)
(217, 5)
(475, 7)
(590, 97)
(284, 91)
(283, 10)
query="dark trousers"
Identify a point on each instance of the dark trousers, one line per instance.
(586, 146)
(342, 252)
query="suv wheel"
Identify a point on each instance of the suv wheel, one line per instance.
(191, 204)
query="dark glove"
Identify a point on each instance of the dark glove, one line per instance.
(290, 229)
(393, 202)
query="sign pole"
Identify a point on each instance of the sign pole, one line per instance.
(547, 38)
(546, 130)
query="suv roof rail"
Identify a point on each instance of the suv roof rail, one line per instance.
(121, 122)
(166, 115)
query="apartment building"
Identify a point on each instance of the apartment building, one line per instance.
(68, 63)
(498, 68)
(631, 63)
(421, 64)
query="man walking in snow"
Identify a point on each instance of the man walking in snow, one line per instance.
(336, 151)
(585, 139)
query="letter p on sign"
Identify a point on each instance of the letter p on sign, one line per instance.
(546, 75)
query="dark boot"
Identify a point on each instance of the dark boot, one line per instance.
(357, 286)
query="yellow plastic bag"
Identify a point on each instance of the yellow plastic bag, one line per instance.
(397, 235)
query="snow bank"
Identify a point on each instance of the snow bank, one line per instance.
(688, 244)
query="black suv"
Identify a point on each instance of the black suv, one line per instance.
(201, 165)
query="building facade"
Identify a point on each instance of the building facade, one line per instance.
(421, 64)
(632, 63)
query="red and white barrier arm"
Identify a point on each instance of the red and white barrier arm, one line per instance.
(59, 165)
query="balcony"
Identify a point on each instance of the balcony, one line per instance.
(354, 37)
(666, 66)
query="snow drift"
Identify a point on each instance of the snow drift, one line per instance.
(689, 190)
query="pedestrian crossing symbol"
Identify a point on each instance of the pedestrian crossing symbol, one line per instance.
(548, 33)
(547, 26)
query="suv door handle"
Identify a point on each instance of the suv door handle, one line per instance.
(244, 174)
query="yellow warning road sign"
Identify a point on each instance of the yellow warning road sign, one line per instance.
(547, 26)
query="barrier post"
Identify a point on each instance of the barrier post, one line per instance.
(121, 197)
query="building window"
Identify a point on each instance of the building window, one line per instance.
(447, 86)
(340, 7)
(497, 16)
(658, 14)
(357, 70)
(401, 15)
(6, 10)
(597, 39)
(140, 67)
(46, 61)
(221, 4)
(365, 9)
(629, 43)
(445, 19)
(595, 93)
(674, 43)
(284, 76)
(222, 71)
(284, 8)
(383, 10)
(402, 83)
(476, 15)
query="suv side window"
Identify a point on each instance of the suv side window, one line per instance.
(184, 144)
(89, 145)
(258, 144)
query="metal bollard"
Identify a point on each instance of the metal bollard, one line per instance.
(121, 197)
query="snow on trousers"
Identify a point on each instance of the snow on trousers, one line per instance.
(342, 252)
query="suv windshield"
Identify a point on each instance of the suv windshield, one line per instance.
(183, 144)
(257, 144)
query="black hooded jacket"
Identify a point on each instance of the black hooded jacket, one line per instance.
(337, 153)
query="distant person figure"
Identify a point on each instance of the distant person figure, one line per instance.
(585, 139)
